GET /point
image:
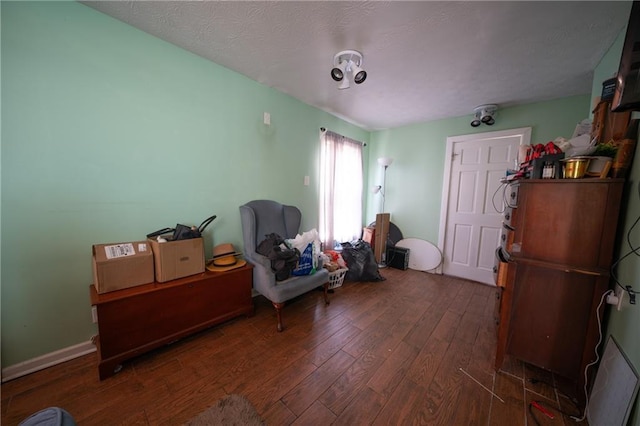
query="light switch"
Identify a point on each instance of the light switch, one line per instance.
(306, 181)
(267, 119)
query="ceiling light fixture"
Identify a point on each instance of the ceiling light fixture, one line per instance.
(345, 62)
(484, 114)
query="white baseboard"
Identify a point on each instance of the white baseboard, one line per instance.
(47, 360)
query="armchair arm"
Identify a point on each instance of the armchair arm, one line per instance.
(264, 279)
(258, 260)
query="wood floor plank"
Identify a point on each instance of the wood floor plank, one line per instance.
(317, 414)
(426, 363)
(174, 408)
(393, 370)
(484, 350)
(473, 404)
(302, 396)
(513, 410)
(349, 383)
(444, 390)
(467, 330)
(539, 382)
(362, 409)
(400, 406)
(278, 414)
(462, 300)
(266, 393)
(423, 328)
(319, 354)
(364, 341)
(447, 326)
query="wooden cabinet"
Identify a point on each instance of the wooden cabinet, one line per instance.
(138, 319)
(559, 271)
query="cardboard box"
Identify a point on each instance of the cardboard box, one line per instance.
(121, 265)
(177, 259)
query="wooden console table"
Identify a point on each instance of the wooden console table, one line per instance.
(136, 320)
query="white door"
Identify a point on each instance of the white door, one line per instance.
(471, 220)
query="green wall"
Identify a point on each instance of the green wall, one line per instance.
(624, 325)
(414, 180)
(108, 134)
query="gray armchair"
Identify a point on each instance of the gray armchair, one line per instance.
(262, 217)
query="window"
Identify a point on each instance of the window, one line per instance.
(340, 189)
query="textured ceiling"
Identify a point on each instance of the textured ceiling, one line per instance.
(425, 60)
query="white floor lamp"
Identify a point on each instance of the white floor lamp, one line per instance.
(382, 218)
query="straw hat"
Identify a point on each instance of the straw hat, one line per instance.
(224, 258)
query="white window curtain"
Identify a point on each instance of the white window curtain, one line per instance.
(340, 189)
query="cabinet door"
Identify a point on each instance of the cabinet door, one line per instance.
(553, 318)
(147, 319)
(570, 223)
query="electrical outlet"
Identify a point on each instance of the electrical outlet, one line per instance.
(620, 295)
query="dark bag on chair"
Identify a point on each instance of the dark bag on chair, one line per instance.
(283, 259)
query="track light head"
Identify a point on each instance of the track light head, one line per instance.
(476, 120)
(337, 73)
(359, 75)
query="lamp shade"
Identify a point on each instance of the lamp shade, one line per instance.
(385, 161)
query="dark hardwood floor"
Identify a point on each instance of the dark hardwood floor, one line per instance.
(417, 348)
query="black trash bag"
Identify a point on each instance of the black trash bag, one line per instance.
(361, 262)
(283, 259)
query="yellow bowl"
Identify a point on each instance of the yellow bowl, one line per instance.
(575, 168)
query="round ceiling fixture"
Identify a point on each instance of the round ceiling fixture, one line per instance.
(348, 61)
(484, 114)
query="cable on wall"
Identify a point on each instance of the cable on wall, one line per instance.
(634, 250)
(594, 362)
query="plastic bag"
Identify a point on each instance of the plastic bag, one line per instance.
(306, 264)
(302, 242)
(361, 262)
